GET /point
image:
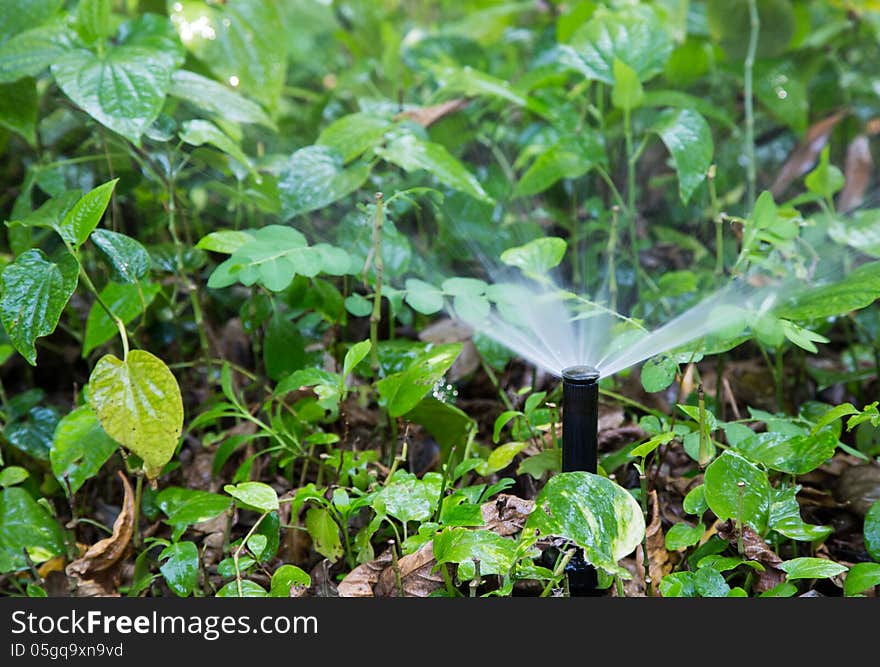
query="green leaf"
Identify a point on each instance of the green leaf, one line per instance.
(678, 585)
(627, 93)
(85, 215)
(538, 257)
(93, 20)
(501, 457)
(138, 403)
(33, 292)
(695, 501)
(593, 512)
(324, 532)
(249, 589)
(408, 498)
(825, 180)
(357, 305)
(749, 502)
(314, 178)
(12, 475)
(795, 455)
(238, 42)
(19, 15)
(26, 525)
(79, 449)
(32, 432)
(811, 568)
(688, 139)
(728, 22)
(785, 517)
(423, 297)
(835, 413)
(549, 460)
(180, 567)
(287, 576)
(226, 241)
(658, 373)
(123, 89)
(284, 349)
(411, 153)
(352, 135)
(199, 132)
(803, 338)
(18, 108)
(783, 93)
(126, 301)
(403, 391)
(255, 494)
(636, 36)
(872, 531)
(860, 288)
(127, 258)
(355, 354)
(571, 157)
(217, 98)
(496, 554)
(683, 535)
(184, 507)
(859, 229)
(861, 577)
(32, 51)
(710, 584)
(647, 447)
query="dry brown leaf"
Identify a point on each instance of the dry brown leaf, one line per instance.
(106, 553)
(804, 156)
(414, 573)
(755, 548)
(426, 116)
(857, 174)
(659, 564)
(359, 583)
(506, 514)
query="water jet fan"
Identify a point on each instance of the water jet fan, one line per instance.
(580, 424)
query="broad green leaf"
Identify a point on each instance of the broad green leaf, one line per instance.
(550, 460)
(872, 531)
(688, 139)
(408, 498)
(26, 525)
(749, 502)
(79, 449)
(636, 36)
(153, 31)
(126, 301)
(571, 157)
(783, 93)
(287, 576)
(825, 180)
(226, 241)
(785, 517)
(678, 585)
(627, 93)
(403, 391)
(411, 153)
(811, 568)
(314, 177)
(184, 507)
(647, 447)
(803, 338)
(835, 413)
(284, 349)
(199, 132)
(795, 455)
(352, 135)
(249, 589)
(324, 532)
(710, 584)
(18, 108)
(593, 512)
(859, 229)
(858, 289)
(19, 15)
(355, 354)
(33, 292)
(861, 577)
(469, 82)
(239, 42)
(85, 215)
(681, 100)
(538, 257)
(123, 89)
(138, 403)
(496, 554)
(256, 494)
(448, 424)
(357, 305)
(32, 432)
(180, 567)
(501, 457)
(93, 20)
(423, 297)
(217, 98)
(728, 22)
(465, 287)
(12, 475)
(695, 501)
(127, 258)
(32, 51)
(273, 257)
(658, 373)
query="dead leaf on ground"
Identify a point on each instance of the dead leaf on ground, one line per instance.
(506, 514)
(94, 571)
(414, 573)
(859, 487)
(427, 116)
(659, 562)
(359, 583)
(802, 158)
(857, 174)
(755, 548)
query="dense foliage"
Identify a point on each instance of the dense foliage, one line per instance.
(233, 228)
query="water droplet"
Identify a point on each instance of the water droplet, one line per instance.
(233, 81)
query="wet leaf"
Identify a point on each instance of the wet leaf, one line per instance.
(352, 135)
(32, 433)
(538, 257)
(12, 475)
(249, 589)
(25, 524)
(593, 512)
(127, 258)
(18, 108)
(811, 568)
(495, 553)
(285, 578)
(254, 494)
(658, 373)
(683, 535)
(216, 98)
(872, 531)
(861, 577)
(30, 52)
(79, 449)
(199, 132)
(858, 289)
(314, 177)
(127, 301)
(688, 139)
(423, 297)
(627, 93)
(139, 405)
(403, 391)
(325, 533)
(571, 157)
(501, 457)
(860, 230)
(105, 553)
(748, 502)
(184, 507)
(795, 455)
(35, 290)
(782, 93)
(355, 355)
(180, 567)
(408, 498)
(785, 518)
(729, 24)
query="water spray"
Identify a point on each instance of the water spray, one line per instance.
(580, 424)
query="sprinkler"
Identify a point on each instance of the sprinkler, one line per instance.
(580, 424)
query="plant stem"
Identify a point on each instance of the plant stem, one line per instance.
(754, 31)
(138, 495)
(609, 251)
(718, 219)
(241, 546)
(379, 266)
(558, 572)
(118, 322)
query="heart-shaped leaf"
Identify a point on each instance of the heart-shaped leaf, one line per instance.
(80, 448)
